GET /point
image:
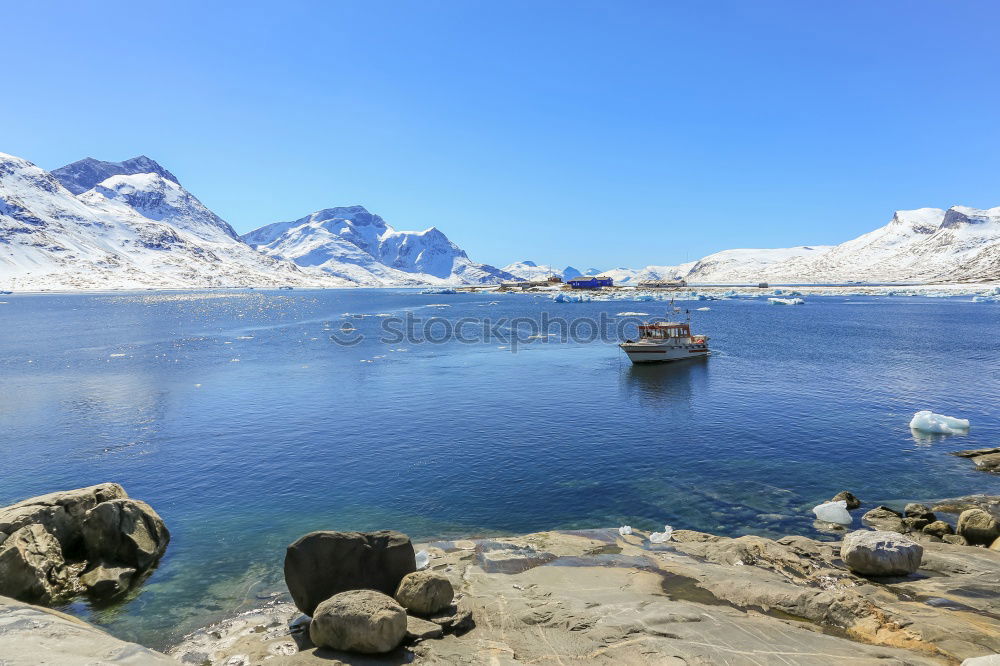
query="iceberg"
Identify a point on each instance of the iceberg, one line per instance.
(661, 537)
(571, 298)
(786, 301)
(928, 421)
(439, 290)
(833, 512)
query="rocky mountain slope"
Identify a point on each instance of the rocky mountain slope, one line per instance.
(351, 243)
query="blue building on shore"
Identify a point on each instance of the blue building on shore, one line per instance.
(590, 282)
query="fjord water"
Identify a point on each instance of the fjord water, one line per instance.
(237, 417)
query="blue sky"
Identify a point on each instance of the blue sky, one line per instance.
(587, 133)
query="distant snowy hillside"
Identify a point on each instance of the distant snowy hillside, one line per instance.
(52, 239)
(923, 245)
(745, 265)
(84, 174)
(352, 243)
(529, 270)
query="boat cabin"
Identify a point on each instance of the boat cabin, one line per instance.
(663, 330)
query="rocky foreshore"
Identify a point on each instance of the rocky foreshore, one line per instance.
(605, 595)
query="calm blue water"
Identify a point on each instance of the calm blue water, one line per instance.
(245, 426)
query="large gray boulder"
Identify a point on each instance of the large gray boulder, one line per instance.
(358, 621)
(32, 565)
(978, 527)
(60, 513)
(46, 542)
(126, 532)
(30, 635)
(425, 592)
(880, 553)
(322, 564)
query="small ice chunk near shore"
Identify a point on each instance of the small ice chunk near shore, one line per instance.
(625, 530)
(833, 512)
(423, 559)
(928, 421)
(661, 537)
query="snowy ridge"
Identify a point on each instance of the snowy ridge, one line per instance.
(52, 239)
(529, 270)
(352, 243)
(84, 174)
(927, 245)
(923, 245)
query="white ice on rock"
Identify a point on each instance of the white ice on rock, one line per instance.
(833, 512)
(928, 421)
(625, 530)
(423, 558)
(661, 537)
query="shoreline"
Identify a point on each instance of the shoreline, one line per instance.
(627, 596)
(959, 289)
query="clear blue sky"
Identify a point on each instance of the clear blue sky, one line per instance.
(586, 133)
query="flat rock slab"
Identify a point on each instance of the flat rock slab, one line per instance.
(31, 635)
(599, 597)
(987, 460)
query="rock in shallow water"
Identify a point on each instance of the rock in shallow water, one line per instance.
(847, 496)
(126, 532)
(322, 564)
(425, 592)
(880, 553)
(363, 621)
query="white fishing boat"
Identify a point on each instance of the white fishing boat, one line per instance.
(665, 341)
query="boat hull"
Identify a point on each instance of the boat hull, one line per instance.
(662, 353)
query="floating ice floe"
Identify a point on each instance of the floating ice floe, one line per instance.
(438, 305)
(786, 301)
(632, 314)
(833, 512)
(571, 298)
(705, 309)
(661, 537)
(439, 290)
(928, 421)
(625, 530)
(423, 559)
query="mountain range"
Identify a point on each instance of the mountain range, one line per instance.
(927, 245)
(117, 225)
(128, 225)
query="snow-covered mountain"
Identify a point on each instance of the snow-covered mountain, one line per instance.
(126, 231)
(352, 243)
(960, 244)
(923, 245)
(529, 270)
(84, 174)
(746, 265)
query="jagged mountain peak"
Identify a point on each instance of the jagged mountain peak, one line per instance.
(352, 242)
(958, 216)
(84, 174)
